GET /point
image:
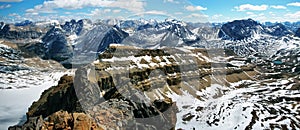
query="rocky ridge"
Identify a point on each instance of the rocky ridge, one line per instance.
(144, 102)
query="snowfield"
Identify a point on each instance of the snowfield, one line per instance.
(14, 103)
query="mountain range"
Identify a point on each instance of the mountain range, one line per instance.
(236, 75)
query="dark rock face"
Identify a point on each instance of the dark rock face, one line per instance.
(56, 45)
(278, 30)
(75, 27)
(114, 35)
(60, 97)
(297, 34)
(145, 26)
(4, 28)
(239, 29)
(16, 34)
(94, 42)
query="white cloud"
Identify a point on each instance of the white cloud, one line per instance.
(107, 10)
(36, 17)
(151, 12)
(259, 17)
(102, 14)
(96, 12)
(5, 6)
(171, 1)
(49, 6)
(13, 15)
(249, 13)
(178, 13)
(195, 8)
(295, 15)
(272, 13)
(117, 11)
(16, 17)
(216, 16)
(273, 17)
(294, 4)
(195, 15)
(246, 7)
(278, 7)
(11, 0)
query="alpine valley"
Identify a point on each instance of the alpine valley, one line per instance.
(149, 74)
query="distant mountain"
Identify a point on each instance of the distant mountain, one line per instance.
(242, 29)
(141, 33)
(297, 34)
(278, 30)
(153, 34)
(56, 45)
(12, 32)
(77, 27)
(293, 26)
(24, 23)
(85, 39)
(95, 41)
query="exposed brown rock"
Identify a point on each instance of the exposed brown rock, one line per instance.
(60, 97)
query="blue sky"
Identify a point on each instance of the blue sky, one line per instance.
(187, 10)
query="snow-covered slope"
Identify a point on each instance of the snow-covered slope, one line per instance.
(22, 80)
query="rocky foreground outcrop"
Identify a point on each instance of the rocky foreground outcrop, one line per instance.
(59, 108)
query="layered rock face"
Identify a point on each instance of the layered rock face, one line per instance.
(58, 108)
